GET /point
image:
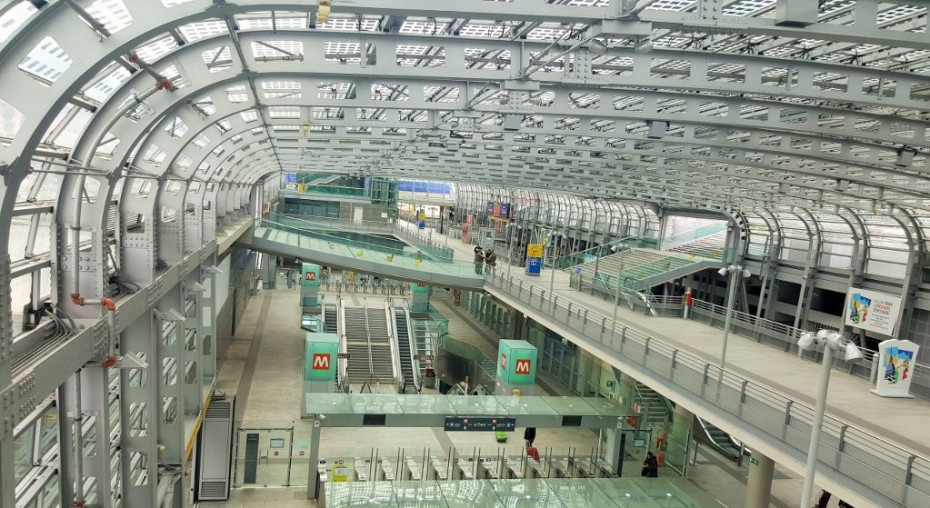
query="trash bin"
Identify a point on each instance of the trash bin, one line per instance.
(429, 378)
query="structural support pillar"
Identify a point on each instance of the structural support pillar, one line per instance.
(95, 387)
(759, 483)
(679, 437)
(314, 475)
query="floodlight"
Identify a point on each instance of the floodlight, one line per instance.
(746, 273)
(822, 336)
(722, 271)
(852, 352)
(806, 341)
(597, 47)
(644, 46)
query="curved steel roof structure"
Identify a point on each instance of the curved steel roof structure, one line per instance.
(129, 128)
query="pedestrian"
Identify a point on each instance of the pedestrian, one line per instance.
(491, 261)
(529, 435)
(479, 261)
(824, 500)
(650, 466)
(532, 453)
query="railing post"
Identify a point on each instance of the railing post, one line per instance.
(704, 378)
(646, 350)
(671, 364)
(603, 328)
(742, 398)
(784, 430)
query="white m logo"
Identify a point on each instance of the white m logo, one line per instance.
(320, 361)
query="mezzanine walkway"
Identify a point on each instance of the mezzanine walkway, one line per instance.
(783, 376)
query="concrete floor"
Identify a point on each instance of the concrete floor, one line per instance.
(896, 420)
(263, 366)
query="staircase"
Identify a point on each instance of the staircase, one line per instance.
(382, 363)
(655, 408)
(356, 333)
(641, 269)
(711, 246)
(403, 348)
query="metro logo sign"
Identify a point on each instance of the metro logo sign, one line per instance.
(321, 361)
(523, 367)
(310, 276)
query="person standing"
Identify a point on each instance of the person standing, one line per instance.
(651, 466)
(529, 435)
(479, 261)
(491, 261)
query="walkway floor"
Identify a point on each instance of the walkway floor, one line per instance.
(898, 420)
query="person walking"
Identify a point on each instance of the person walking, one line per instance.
(479, 261)
(491, 260)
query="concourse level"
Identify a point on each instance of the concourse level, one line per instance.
(764, 397)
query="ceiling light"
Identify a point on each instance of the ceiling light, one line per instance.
(597, 47)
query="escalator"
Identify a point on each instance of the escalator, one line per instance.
(407, 362)
(330, 319)
(723, 443)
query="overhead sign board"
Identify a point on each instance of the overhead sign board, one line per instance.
(479, 424)
(873, 311)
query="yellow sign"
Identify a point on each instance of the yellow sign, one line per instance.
(340, 473)
(534, 250)
(300, 188)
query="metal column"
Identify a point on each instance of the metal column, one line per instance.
(95, 389)
(139, 414)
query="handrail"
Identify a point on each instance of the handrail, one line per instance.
(888, 469)
(343, 340)
(320, 219)
(393, 341)
(371, 372)
(343, 241)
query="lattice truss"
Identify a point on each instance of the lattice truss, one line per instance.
(715, 104)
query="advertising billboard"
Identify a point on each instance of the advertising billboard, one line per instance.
(895, 368)
(871, 310)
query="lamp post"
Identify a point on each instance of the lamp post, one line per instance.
(832, 341)
(735, 272)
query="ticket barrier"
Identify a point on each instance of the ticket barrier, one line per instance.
(412, 469)
(536, 468)
(513, 467)
(385, 470)
(561, 467)
(464, 469)
(437, 469)
(489, 469)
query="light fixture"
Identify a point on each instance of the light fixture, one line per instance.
(722, 271)
(853, 352)
(597, 47)
(305, 127)
(644, 46)
(806, 341)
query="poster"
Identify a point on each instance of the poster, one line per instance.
(534, 259)
(895, 368)
(505, 210)
(490, 208)
(873, 311)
